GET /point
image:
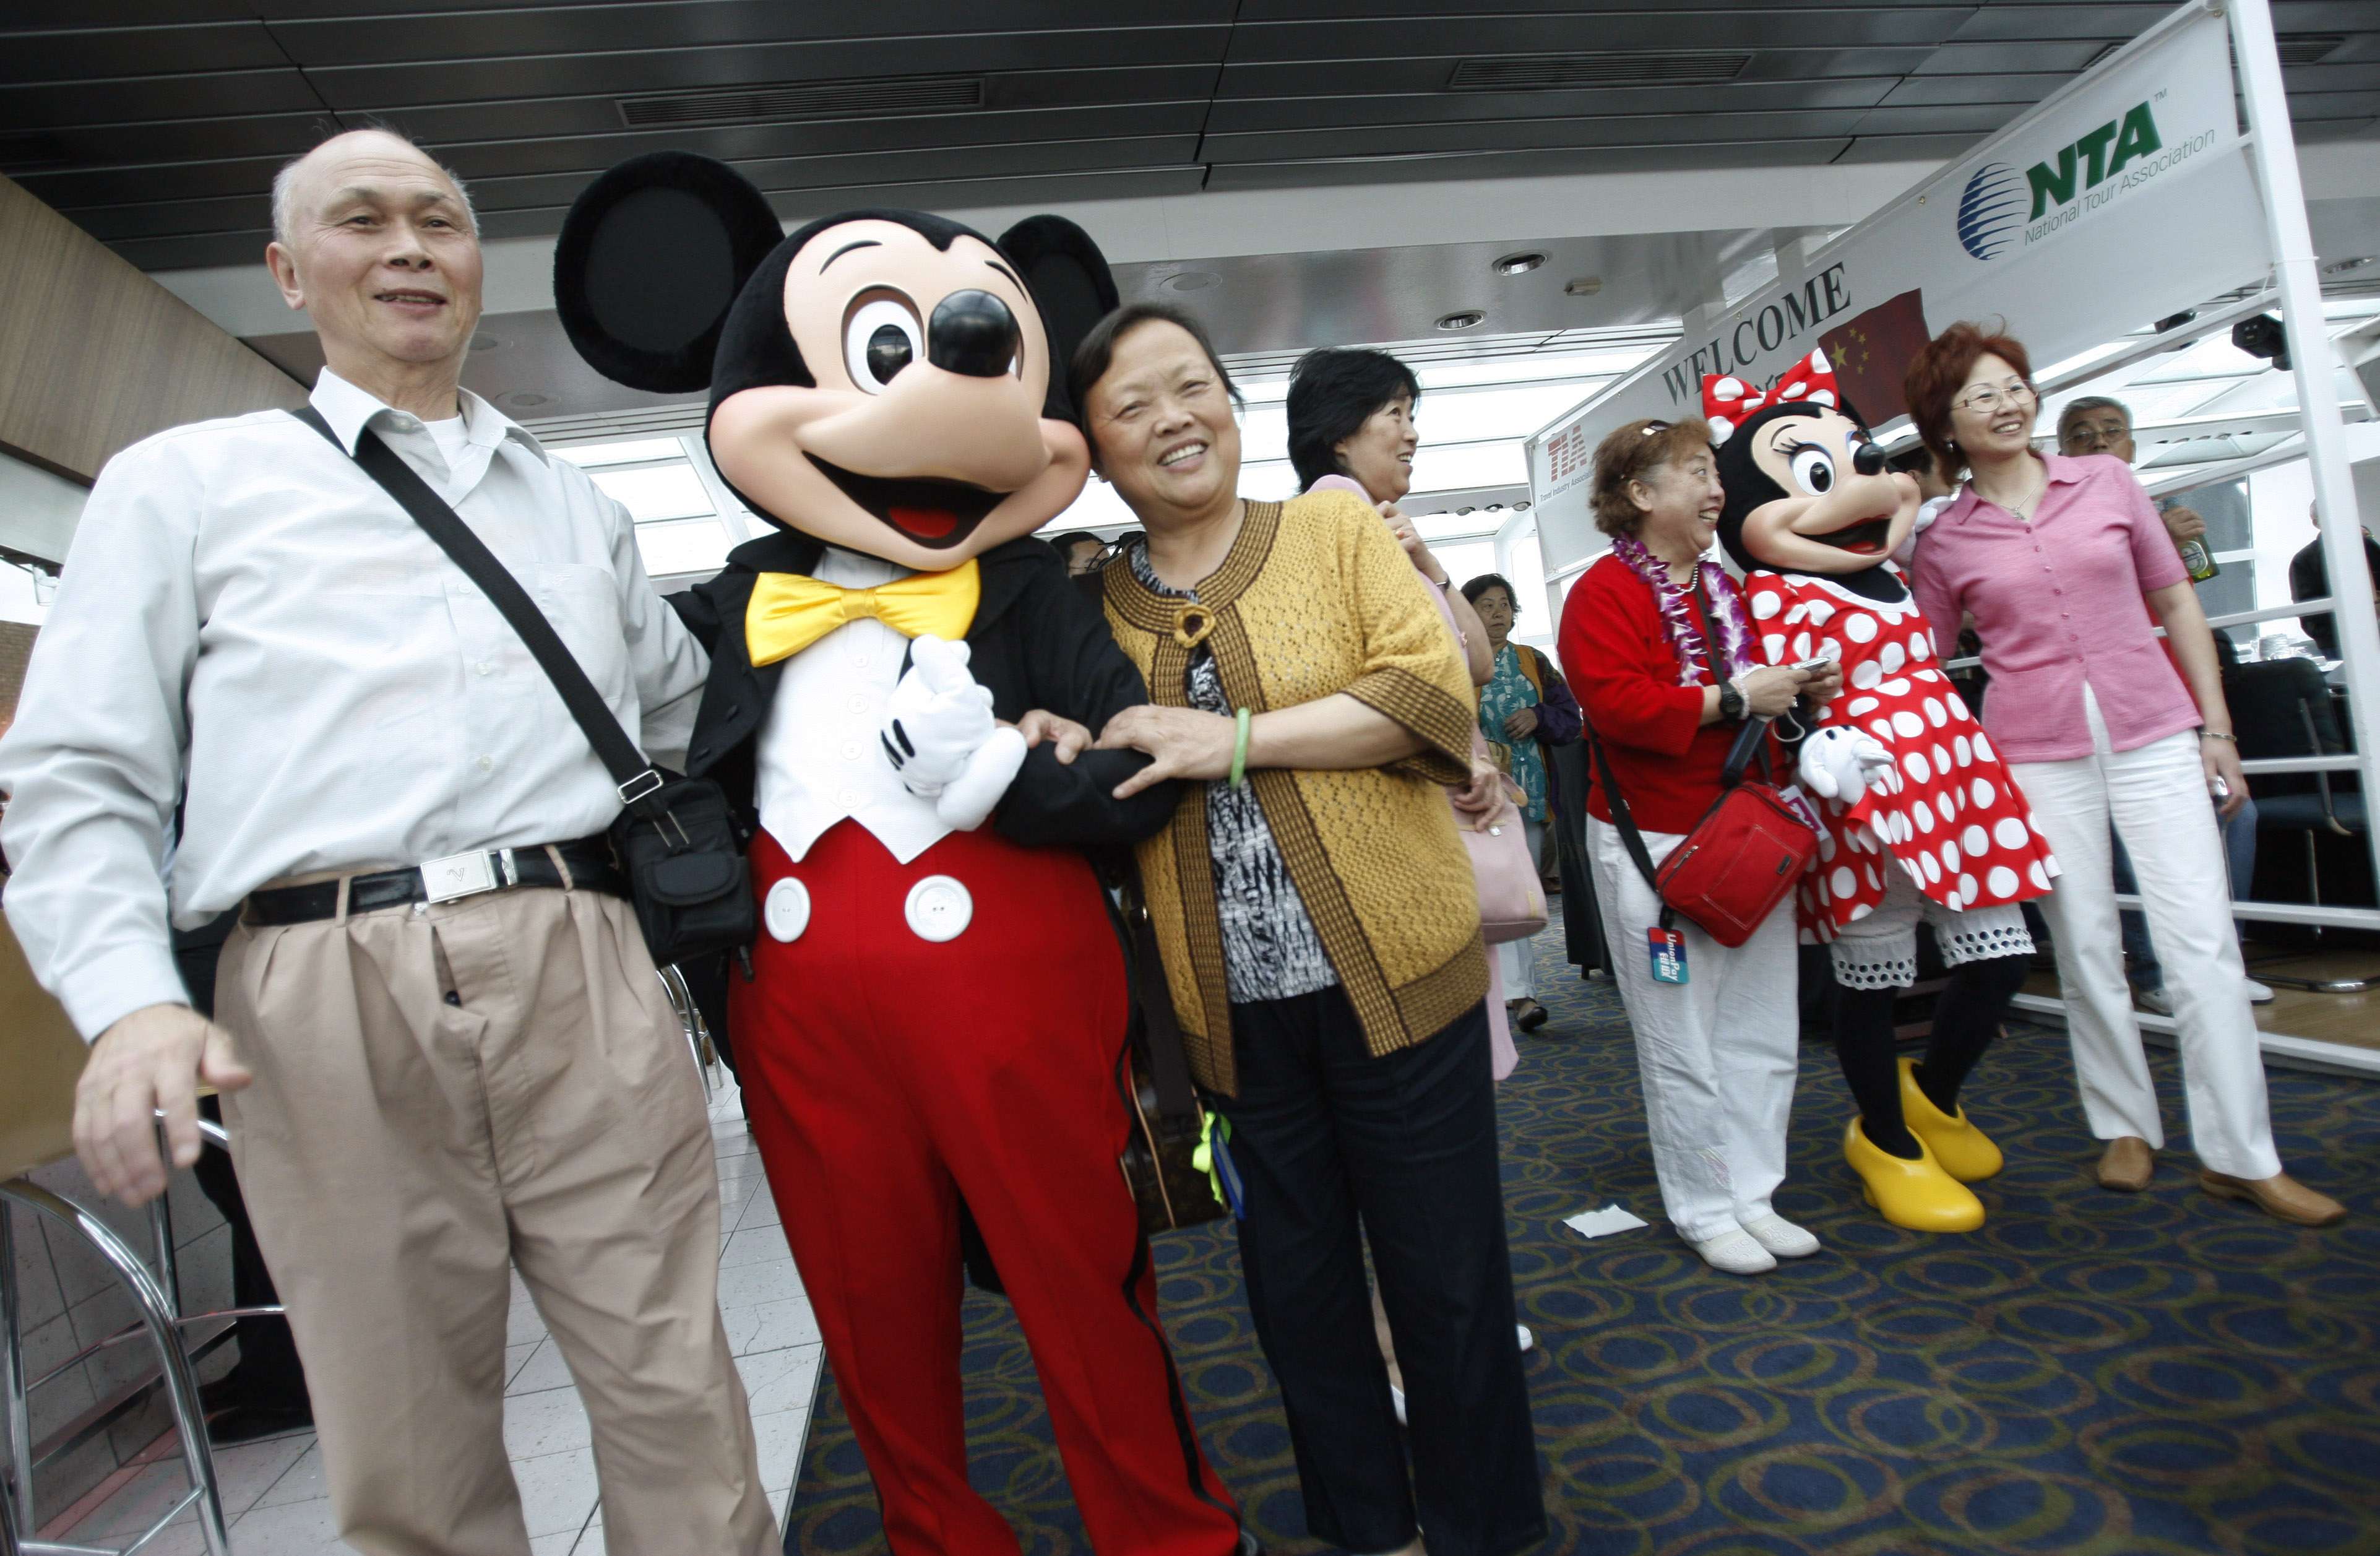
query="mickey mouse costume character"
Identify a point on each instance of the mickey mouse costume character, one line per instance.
(887, 387)
(1905, 778)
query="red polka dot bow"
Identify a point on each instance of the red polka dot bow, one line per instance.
(1728, 399)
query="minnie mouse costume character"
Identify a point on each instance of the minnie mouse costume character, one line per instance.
(886, 386)
(1905, 777)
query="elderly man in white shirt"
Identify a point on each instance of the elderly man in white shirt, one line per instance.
(421, 1093)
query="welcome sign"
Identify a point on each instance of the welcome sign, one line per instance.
(2124, 197)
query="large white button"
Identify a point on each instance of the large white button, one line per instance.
(787, 911)
(939, 909)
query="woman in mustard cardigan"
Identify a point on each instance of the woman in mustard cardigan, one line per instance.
(1319, 922)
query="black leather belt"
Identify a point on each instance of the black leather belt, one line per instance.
(458, 875)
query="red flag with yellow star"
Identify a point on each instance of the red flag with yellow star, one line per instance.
(1871, 355)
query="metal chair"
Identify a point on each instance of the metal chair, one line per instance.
(43, 1056)
(2283, 708)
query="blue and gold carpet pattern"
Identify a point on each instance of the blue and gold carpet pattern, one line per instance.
(2092, 1374)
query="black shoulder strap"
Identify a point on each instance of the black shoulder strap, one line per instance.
(626, 765)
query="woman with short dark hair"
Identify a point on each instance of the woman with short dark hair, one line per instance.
(2060, 561)
(1316, 919)
(1351, 424)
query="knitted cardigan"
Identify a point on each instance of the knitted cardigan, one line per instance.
(1315, 597)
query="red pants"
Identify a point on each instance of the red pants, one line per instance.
(887, 1076)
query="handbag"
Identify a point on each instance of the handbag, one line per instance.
(1739, 861)
(1167, 1122)
(676, 838)
(1512, 896)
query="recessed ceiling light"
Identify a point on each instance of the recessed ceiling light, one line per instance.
(1468, 319)
(1519, 264)
(524, 399)
(1191, 280)
(1460, 512)
(1521, 506)
(1582, 286)
(486, 343)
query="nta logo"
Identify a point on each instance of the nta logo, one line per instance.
(1989, 210)
(2135, 135)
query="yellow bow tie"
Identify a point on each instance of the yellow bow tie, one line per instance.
(791, 610)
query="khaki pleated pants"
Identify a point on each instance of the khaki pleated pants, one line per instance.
(441, 1095)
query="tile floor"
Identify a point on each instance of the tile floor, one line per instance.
(273, 1491)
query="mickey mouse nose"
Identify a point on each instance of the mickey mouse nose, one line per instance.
(972, 333)
(1868, 459)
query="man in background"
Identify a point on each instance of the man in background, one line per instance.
(2310, 579)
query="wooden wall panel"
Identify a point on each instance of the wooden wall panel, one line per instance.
(95, 356)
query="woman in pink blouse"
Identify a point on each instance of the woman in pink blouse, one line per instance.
(2053, 556)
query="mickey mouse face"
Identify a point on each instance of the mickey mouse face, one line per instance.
(882, 381)
(1808, 493)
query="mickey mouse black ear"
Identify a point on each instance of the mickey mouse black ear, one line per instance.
(650, 259)
(1072, 285)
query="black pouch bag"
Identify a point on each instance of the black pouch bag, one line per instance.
(676, 838)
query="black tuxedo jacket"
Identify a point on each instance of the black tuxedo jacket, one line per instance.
(1037, 642)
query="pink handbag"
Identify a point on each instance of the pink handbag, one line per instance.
(1511, 898)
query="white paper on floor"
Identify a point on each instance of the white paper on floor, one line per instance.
(1603, 1222)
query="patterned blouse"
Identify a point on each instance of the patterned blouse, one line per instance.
(1271, 951)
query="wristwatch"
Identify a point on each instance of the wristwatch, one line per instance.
(1730, 701)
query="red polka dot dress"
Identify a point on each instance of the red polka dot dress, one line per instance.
(1948, 813)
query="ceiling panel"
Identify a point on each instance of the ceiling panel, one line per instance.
(138, 51)
(1428, 112)
(160, 129)
(487, 166)
(539, 31)
(394, 86)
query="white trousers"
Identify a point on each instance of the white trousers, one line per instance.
(2156, 796)
(1717, 1053)
(1516, 959)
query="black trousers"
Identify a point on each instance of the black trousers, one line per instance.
(1325, 1134)
(268, 1373)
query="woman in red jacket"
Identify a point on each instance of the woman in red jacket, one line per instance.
(1657, 646)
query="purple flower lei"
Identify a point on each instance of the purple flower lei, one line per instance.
(1685, 636)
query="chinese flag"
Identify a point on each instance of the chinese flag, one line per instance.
(1871, 353)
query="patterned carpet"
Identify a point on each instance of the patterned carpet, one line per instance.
(2090, 1373)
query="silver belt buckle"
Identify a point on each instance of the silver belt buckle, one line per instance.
(458, 875)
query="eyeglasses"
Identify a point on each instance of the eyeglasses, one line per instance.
(1988, 399)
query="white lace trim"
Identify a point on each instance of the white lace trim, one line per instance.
(1981, 941)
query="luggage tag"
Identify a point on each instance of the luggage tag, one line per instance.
(1213, 1157)
(1669, 952)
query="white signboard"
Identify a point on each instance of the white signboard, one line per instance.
(2125, 198)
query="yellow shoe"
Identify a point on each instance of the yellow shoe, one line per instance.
(1917, 1196)
(1964, 1151)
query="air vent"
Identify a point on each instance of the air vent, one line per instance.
(2308, 48)
(1563, 72)
(883, 98)
(25, 151)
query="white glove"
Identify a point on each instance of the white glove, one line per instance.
(939, 735)
(1841, 763)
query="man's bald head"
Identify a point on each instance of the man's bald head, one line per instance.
(301, 179)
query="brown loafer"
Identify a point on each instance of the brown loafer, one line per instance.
(2280, 1197)
(2128, 1164)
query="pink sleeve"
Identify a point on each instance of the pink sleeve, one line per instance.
(1341, 484)
(1935, 598)
(2154, 559)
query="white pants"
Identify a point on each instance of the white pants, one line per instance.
(1517, 958)
(2156, 796)
(1717, 1053)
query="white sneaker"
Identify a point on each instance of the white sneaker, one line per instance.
(2155, 999)
(1528, 1340)
(2259, 993)
(1781, 1237)
(1734, 1253)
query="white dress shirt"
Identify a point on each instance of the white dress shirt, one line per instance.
(246, 616)
(821, 756)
